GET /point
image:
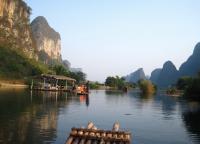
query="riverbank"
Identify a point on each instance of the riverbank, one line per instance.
(13, 84)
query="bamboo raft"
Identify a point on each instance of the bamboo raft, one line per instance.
(92, 135)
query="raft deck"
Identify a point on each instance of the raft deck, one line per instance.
(92, 135)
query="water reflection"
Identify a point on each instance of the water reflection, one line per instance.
(114, 96)
(146, 97)
(114, 92)
(168, 105)
(84, 99)
(31, 117)
(47, 117)
(191, 118)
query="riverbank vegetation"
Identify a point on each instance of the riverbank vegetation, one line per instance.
(173, 91)
(190, 86)
(146, 87)
(118, 83)
(15, 66)
(95, 85)
(61, 70)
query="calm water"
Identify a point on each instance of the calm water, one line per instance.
(27, 117)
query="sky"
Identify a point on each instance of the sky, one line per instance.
(116, 37)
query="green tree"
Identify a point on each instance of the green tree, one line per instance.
(111, 81)
(118, 83)
(193, 89)
(60, 70)
(183, 82)
(94, 85)
(15, 64)
(79, 76)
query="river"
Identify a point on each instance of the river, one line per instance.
(47, 117)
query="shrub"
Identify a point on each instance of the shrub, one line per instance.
(146, 87)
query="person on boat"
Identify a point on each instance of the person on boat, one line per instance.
(87, 86)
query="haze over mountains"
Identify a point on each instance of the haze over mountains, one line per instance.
(168, 74)
(155, 74)
(136, 76)
(40, 41)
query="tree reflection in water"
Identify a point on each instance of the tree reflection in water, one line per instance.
(31, 117)
(191, 118)
(46, 117)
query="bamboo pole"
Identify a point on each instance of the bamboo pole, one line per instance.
(70, 139)
(88, 142)
(115, 128)
(92, 135)
(102, 141)
(82, 141)
(95, 142)
(76, 141)
(91, 126)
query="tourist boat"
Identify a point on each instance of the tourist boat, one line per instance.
(82, 90)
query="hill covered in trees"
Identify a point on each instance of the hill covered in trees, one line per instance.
(28, 49)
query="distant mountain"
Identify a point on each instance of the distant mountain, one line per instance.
(168, 75)
(192, 66)
(48, 41)
(66, 64)
(155, 75)
(75, 70)
(136, 76)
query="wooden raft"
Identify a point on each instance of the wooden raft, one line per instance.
(92, 135)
